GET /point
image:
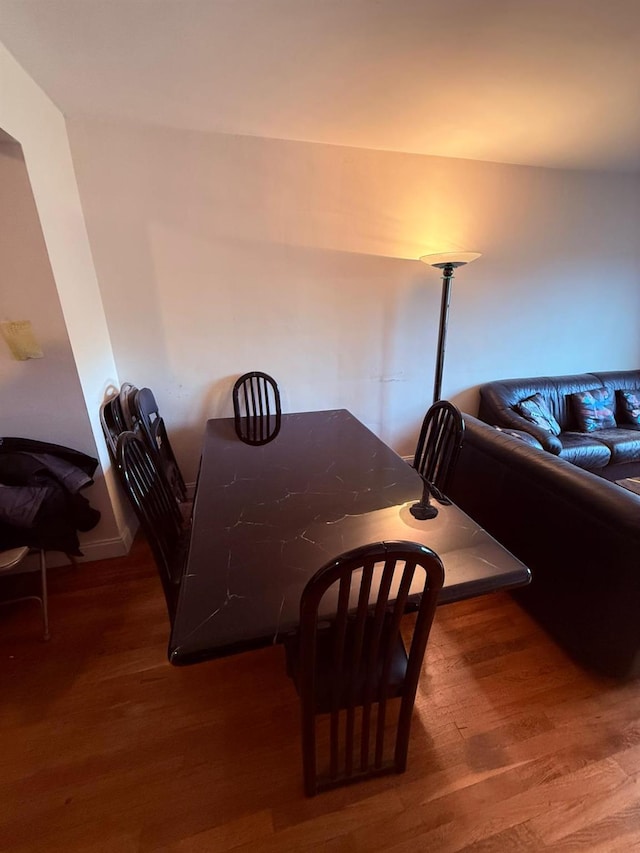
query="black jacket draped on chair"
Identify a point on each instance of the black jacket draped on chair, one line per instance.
(40, 501)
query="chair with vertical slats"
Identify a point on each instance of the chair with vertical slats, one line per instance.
(113, 422)
(348, 659)
(439, 446)
(157, 511)
(256, 407)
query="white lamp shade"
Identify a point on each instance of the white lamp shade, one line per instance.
(455, 259)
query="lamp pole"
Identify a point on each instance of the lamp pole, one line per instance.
(447, 262)
(447, 275)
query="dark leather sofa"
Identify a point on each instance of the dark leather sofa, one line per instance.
(592, 450)
(578, 533)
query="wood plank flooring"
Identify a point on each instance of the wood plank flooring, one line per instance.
(104, 746)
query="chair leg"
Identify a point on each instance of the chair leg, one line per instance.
(403, 732)
(45, 603)
(309, 752)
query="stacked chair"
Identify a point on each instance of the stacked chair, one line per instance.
(148, 470)
(145, 417)
(112, 422)
(157, 510)
(136, 410)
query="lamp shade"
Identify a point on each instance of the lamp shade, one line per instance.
(454, 259)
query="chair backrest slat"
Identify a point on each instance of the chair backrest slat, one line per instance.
(355, 664)
(373, 658)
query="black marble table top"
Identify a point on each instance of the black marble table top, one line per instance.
(267, 517)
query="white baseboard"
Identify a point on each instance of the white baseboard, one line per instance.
(104, 549)
(98, 549)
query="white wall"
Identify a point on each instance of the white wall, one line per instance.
(218, 254)
(215, 254)
(31, 391)
(71, 323)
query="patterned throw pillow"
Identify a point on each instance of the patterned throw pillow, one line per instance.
(594, 409)
(536, 411)
(629, 405)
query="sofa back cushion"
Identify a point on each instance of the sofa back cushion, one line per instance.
(535, 410)
(620, 380)
(594, 409)
(499, 397)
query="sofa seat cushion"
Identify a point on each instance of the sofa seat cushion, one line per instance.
(624, 444)
(520, 434)
(584, 449)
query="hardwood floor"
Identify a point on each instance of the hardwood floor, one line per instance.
(104, 746)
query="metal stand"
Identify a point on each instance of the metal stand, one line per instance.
(423, 509)
(447, 275)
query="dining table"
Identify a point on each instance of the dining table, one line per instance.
(267, 517)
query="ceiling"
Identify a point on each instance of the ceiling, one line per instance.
(539, 82)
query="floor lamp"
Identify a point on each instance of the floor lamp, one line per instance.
(447, 262)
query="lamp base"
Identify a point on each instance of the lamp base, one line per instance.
(423, 511)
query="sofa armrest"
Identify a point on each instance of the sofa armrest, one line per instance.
(529, 439)
(516, 423)
(578, 533)
(496, 409)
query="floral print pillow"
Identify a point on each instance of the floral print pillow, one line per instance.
(629, 405)
(594, 409)
(535, 410)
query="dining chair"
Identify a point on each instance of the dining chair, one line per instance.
(147, 418)
(348, 659)
(256, 407)
(439, 446)
(157, 511)
(11, 563)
